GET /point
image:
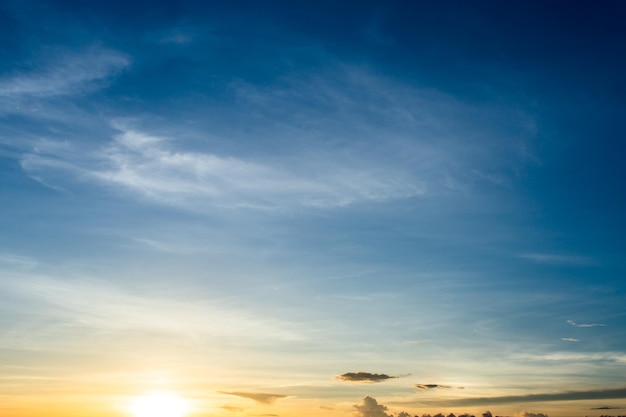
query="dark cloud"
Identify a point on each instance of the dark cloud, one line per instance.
(365, 377)
(606, 407)
(424, 387)
(259, 397)
(573, 323)
(558, 396)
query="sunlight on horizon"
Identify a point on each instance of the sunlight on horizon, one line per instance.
(159, 404)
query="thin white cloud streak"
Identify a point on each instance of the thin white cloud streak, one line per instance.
(556, 259)
(11, 259)
(618, 357)
(68, 73)
(573, 323)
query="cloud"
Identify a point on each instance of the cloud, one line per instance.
(557, 259)
(370, 408)
(258, 397)
(364, 377)
(558, 396)
(425, 387)
(66, 74)
(342, 137)
(619, 357)
(606, 407)
(232, 408)
(152, 167)
(101, 306)
(573, 323)
(17, 260)
(570, 339)
(528, 414)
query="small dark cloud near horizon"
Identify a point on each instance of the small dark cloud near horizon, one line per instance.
(607, 407)
(259, 397)
(366, 377)
(425, 387)
(573, 323)
(369, 407)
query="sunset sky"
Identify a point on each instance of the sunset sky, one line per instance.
(313, 208)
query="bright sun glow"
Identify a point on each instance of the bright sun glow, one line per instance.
(159, 405)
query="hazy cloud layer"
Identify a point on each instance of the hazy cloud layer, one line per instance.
(259, 397)
(364, 377)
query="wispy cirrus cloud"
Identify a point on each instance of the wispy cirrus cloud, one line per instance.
(557, 259)
(365, 377)
(570, 339)
(573, 323)
(153, 167)
(259, 397)
(69, 72)
(11, 259)
(98, 306)
(619, 357)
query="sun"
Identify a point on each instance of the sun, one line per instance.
(159, 405)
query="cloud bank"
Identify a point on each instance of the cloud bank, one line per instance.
(559, 396)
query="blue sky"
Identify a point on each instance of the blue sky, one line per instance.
(230, 199)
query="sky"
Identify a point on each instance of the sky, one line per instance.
(329, 208)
